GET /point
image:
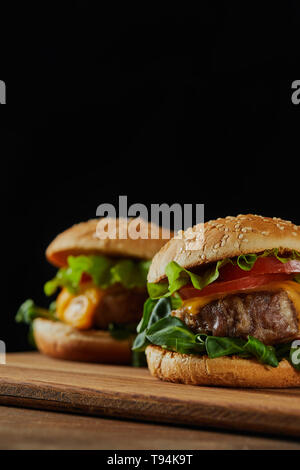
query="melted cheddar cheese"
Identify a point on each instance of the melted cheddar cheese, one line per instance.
(79, 310)
(194, 305)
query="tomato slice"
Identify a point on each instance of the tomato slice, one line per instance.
(85, 278)
(218, 287)
(268, 265)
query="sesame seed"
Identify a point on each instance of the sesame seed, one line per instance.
(295, 234)
(202, 256)
(241, 236)
(265, 233)
(223, 242)
(226, 229)
(217, 245)
(237, 226)
(219, 226)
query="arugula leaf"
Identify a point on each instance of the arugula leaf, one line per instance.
(265, 354)
(122, 331)
(28, 311)
(104, 272)
(138, 359)
(171, 333)
(218, 347)
(154, 310)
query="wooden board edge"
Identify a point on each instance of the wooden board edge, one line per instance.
(149, 409)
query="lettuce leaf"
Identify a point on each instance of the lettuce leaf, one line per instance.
(104, 272)
(178, 277)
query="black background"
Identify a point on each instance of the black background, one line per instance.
(188, 107)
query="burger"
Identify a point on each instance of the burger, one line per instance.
(102, 289)
(226, 313)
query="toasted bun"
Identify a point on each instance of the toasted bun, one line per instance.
(225, 238)
(84, 238)
(56, 339)
(223, 371)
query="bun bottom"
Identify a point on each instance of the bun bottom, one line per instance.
(223, 371)
(56, 339)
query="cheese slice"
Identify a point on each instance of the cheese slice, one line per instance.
(292, 288)
(79, 310)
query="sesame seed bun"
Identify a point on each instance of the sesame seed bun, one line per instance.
(226, 238)
(223, 371)
(56, 339)
(82, 238)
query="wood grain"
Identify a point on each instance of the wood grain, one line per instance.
(35, 429)
(32, 380)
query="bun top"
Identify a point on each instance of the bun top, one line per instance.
(225, 238)
(85, 239)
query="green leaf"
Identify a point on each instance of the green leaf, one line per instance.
(148, 307)
(141, 342)
(246, 262)
(171, 333)
(138, 359)
(104, 272)
(122, 331)
(218, 347)
(156, 291)
(154, 310)
(179, 277)
(297, 278)
(28, 311)
(265, 354)
(176, 301)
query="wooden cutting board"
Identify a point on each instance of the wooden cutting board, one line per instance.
(35, 381)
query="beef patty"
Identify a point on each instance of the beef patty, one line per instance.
(120, 305)
(268, 316)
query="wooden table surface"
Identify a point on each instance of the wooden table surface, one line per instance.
(47, 430)
(35, 381)
(111, 403)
